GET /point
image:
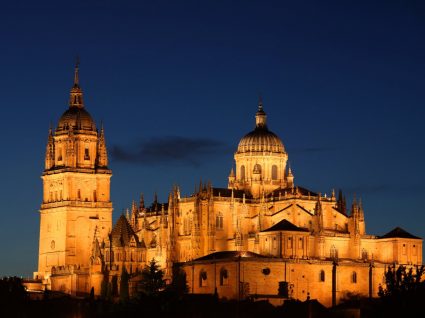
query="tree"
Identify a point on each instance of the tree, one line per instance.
(124, 292)
(179, 283)
(401, 281)
(404, 290)
(152, 278)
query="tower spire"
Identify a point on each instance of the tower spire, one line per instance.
(76, 95)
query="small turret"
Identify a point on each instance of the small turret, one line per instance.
(232, 179)
(102, 154)
(319, 214)
(50, 151)
(141, 202)
(290, 179)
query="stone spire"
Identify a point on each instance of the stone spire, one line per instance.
(50, 151)
(102, 154)
(141, 202)
(260, 116)
(76, 95)
(319, 213)
(290, 178)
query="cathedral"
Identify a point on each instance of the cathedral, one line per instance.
(261, 237)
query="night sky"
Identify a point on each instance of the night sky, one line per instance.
(176, 84)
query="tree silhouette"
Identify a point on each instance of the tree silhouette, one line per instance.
(124, 292)
(152, 279)
(404, 290)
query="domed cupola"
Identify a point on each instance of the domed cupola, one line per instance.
(260, 159)
(260, 139)
(76, 117)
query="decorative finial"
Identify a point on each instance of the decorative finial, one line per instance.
(76, 77)
(260, 102)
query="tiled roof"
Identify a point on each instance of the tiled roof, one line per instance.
(224, 192)
(301, 191)
(227, 255)
(285, 225)
(399, 232)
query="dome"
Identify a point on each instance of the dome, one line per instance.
(260, 139)
(77, 118)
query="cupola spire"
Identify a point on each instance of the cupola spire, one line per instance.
(260, 116)
(76, 95)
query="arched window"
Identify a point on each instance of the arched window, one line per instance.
(202, 278)
(242, 172)
(224, 277)
(354, 278)
(274, 172)
(322, 276)
(219, 221)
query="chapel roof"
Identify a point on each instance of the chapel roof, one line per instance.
(122, 233)
(398, 232)
(229, 254)
(285, 225)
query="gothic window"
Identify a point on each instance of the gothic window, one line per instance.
(86, 154)
(202, 278)
(354, 278)
(79, 194)
(219, 221)
(322, 276)
(333, 252)
(274, 172)
(224, 277)
(364, 254)
(94, 196)
(242, 172)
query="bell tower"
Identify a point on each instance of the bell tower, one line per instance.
(76, 190)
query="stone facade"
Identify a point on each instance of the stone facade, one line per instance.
(262, 236)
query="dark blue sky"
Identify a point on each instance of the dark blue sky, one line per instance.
(176, 84)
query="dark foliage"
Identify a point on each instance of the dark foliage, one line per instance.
(152, 279)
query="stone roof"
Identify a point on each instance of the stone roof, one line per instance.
(285, 225)
(225, 192)
(123, 232)
(228, 255)
(301, 190)
(399, 233)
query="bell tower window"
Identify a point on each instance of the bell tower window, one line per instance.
(274, 172)
(86, 154)
(242, 172)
